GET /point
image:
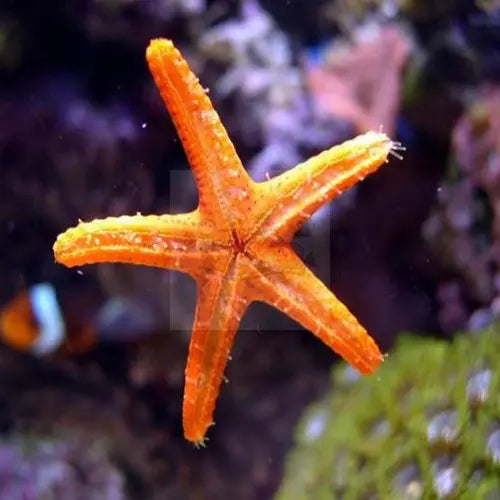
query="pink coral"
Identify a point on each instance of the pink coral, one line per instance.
(360, 82)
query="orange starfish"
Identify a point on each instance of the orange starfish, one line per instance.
(236, 244)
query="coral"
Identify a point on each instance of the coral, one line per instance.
(349, 12)
(70, 431)
(263, 82)
(427, 425)
(360, 82)
(465, 227)
(51, 468)
(61, 149)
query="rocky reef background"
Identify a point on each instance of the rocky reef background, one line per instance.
(84, 134)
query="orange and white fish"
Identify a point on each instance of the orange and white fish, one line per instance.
(35, 321)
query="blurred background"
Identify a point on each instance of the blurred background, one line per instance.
(92, 360)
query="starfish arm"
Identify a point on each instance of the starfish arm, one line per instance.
(287, 284)
(170, 241)
(221, 303)
(221, 179)
(299, 192)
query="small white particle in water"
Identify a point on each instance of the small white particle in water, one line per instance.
(80, 272)
(144, 125)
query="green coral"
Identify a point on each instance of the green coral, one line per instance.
(426, 425)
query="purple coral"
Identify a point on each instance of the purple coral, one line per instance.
(466, 226)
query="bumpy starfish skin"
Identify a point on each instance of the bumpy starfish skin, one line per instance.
(236, 244)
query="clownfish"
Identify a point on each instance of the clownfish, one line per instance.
(34, 321)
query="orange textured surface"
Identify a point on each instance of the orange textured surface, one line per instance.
(236, 244)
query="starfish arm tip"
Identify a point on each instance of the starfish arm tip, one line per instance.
(200, 443)
(195, 432)
(158, 45)
(62, 247)
(369, 356)
(371, 362)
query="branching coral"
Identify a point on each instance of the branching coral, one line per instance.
(427, 426)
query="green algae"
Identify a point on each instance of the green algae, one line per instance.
(425, 425)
